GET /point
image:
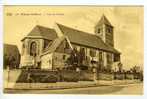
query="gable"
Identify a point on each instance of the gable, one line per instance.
(57, 45)
(64, 47)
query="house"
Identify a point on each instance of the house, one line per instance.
(11, 56)
(48, 48)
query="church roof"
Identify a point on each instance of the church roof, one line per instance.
(104, 20)
(54, 45)
(86, 39)
(43, 32)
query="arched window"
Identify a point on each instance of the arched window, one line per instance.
(33, 49)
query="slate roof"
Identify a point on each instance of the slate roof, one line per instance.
(43, 32)
(86, 39)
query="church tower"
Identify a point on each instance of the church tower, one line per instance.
(104, 30)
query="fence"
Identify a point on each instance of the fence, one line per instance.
(50, 76)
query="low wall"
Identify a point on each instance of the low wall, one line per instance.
(129, 76)
(35, 76)
(47, 76)
(119, 76)
(68, 76)
(105, 76)
(50, 76)
(86, 76)
(10, 77)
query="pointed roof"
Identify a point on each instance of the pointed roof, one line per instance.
(104, 20)
(43, 32)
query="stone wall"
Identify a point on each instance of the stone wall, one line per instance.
(86, 76)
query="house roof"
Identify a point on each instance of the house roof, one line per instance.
(104, 20)
(10, 49)
(43, 32)
(86, 39)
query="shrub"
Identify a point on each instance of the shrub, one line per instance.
(70, 76)
(49, 79)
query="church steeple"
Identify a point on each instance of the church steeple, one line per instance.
(104, 20)
(104, 29)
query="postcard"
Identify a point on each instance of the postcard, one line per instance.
(88, 50)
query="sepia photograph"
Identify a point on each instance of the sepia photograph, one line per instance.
(88, 50)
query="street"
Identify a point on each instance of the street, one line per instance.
(130, 89)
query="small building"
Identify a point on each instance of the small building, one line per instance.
(48, 48)
(11, 56)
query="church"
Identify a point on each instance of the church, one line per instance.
(50, 48)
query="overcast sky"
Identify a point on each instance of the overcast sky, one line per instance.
(127, 22)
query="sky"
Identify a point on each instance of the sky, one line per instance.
(128, 24)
